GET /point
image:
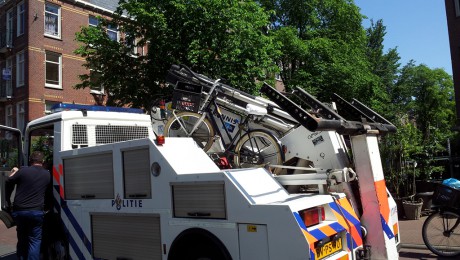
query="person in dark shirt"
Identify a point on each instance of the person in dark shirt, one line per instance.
(32, 184)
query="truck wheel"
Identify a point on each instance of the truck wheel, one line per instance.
(198, 244)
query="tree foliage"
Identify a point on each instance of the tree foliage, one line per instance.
(221, 39)
(427, 95)
(318, 45)
(384, 67)
(323, 46)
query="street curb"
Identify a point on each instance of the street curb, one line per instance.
(414, 246)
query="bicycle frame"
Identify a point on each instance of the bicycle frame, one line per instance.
(232, 139)
(207, 111)
(445, 224)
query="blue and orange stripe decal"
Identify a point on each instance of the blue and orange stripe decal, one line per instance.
(62, 208)
(384, 207)
(347, 219)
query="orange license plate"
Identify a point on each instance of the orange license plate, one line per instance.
(329, 248)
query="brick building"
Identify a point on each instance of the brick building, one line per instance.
(37, 60)
(453, 25)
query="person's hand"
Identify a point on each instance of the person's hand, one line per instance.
(13, 171)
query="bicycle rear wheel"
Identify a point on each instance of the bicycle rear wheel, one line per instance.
(257, 149)
(181, 125)
(439, 234)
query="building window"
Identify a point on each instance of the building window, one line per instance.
(93, 21)
(112, 32)
(9, 28)
(94, 77)
(21, 18)
(9, 115)
(52, 20)
(49, 105)
(20, 68)
(8, 82)
(53, 70)
(21, 116)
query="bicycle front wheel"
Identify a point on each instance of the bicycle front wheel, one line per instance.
(182, 124)
(441, 234)
(257, 149)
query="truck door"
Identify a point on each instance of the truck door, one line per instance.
(253, 241)
(10, 155)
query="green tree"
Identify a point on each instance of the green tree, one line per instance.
(322, 45)
(427, 95)
(221, 39)
(384, 66)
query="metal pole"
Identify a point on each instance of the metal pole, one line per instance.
(451, 164)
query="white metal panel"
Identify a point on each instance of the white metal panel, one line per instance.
(253, 241)
(324, 148)
(200, 200)
(126, 236)
(257, 185)
(136, 171)
(185, 156)
(89, 177)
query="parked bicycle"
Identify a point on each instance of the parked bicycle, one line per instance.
(441, 230)
(244, 148)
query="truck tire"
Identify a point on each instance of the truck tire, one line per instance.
(198, 244)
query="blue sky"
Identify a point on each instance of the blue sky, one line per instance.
(418, 28)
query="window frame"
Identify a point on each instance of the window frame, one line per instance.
(96, 91)
(9, 27)
(20, 68)
(96, 19)
(21, 19)
(21, 116)
(47, 33)
(9, 83)
(109, 29)
(49, 85)
(9, 115)
(48, 105)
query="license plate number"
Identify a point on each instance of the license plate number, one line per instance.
(329, 248)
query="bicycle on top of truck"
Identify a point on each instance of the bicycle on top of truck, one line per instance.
(199, 116)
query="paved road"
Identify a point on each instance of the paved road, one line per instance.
(7, 242)
(411, 240)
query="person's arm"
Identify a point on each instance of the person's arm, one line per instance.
(9, 187)
(13, 171)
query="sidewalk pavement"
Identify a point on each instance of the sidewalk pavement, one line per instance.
(7, 242)
(412, 246)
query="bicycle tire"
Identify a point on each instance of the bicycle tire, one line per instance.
(203, 134)
(257, 148)
(441, 243)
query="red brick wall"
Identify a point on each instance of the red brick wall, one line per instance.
(35, 44)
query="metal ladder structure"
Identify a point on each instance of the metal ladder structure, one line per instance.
(374, 201)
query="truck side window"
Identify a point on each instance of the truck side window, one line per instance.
(43, 140)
